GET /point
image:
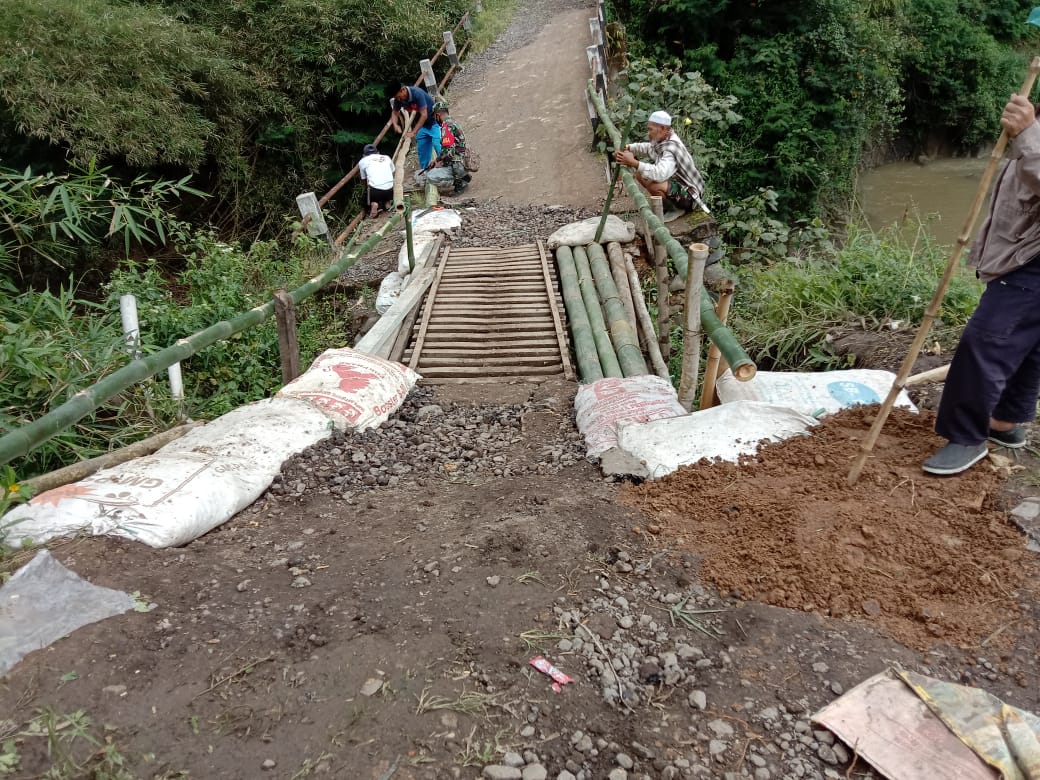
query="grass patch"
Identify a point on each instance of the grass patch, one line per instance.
(489, 24)
(782, 313)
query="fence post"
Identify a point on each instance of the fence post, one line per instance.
(131, 327)
(288, 347)
(467, 25)
(691, 359)
(449, 48)
(307, 202)
(478, 7)
(429, 79)
(659, 254)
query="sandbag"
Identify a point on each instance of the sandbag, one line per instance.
(183, 490)
(433, 219)
(389, 291)
(725, 432)
(357, 391)
(422, 246)
(823, 392)
(582, 233)
(602, 405)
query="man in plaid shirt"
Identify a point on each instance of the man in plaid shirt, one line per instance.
(670, 172)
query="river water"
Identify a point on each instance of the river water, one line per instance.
(937, 195)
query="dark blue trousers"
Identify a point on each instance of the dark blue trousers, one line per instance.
(996, 369)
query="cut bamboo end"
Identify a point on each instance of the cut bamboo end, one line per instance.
(745, 372)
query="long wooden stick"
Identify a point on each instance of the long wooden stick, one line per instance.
(646, 325)
(933, 308)
(711, 367)
(691, 359)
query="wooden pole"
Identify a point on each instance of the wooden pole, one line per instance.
(408, 238)
(715, 362)
(288, 346)
(933, 308)
(589, 367)
(604, 348)
(646, 325)
(399, 157)
(85, 468)
(449, 48)
(691, 362)
(622, 332)
(664, 308)
(931, 375)
(617, 270)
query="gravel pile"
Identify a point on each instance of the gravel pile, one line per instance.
(489, 223)
(425, 440)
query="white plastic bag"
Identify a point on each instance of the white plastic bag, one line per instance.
(389, 291)
(725, 432)
(357, 391)
(45, 601)
(811, 393)
(431, 220)
(582, 233)
(187, 488)
(602, 405)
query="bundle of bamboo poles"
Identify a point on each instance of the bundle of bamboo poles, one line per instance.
(607, 313)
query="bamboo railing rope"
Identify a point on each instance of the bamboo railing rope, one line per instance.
(18, 442)
(604, 348)
(622, 333)
(743, 367)
(581, 331)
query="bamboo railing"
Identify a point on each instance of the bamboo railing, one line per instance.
(743, 367)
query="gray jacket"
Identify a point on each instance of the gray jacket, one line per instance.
(1010, 236)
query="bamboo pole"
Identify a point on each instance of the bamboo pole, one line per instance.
(743, 367)
(714, 364)
(622, 333)
(78, 471)
(933, 308)
(646, 324)
(931, 375)
(664, 305)
(18, 442)
(581, 330)
(691, 360)
(617, 270)
(604, 348)
(399, 157)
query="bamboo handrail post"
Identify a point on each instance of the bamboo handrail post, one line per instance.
(664, 307)
(940, 292)
(408, 238)
(691, 361)
(715, 362)
(646, 324)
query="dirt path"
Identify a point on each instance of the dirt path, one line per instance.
(523, 111)
(374, 614)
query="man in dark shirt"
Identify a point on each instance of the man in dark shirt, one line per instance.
(425, 129)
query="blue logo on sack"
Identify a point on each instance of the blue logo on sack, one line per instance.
(851, 393)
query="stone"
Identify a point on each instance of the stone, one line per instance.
(500, 772)
(820, 667)
(698, 699)
(872, 607)
(514, 759)
(583, 745)
(720, 728)
(824, 736)
(115, 690)
(269, 763)
(617, 774)
(626, 622)
(826, 754)
(493, 580)
(1027, 510)
(527, 732)
(300, 582)
(371, 687)
(565, 775)
(717, 747)
(624, 760)
(534, 772)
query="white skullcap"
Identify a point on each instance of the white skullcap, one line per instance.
(661, 118)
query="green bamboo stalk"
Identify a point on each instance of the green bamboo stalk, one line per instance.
(581, 331)
(607, 356)
(18, 442)
(624, 336)
(613, 180)
(722, 337)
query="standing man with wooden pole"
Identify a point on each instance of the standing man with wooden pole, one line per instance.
(995, 376)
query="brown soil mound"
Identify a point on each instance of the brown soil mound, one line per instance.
(920, 557)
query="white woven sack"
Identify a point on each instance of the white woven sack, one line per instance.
(357, 391)
(185, 489)
(602, 405)
(582, 233)
(813, 393)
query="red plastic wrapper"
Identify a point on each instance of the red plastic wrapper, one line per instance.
(545, 667)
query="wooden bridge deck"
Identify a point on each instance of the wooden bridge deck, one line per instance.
(492, 315)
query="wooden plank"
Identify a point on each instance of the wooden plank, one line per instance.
(535, 344)
(568, 370)
(488, 380)
(472, 371)
(531, 360)
(431, 350)
(477, 287)
(431, 302)
(499, 323)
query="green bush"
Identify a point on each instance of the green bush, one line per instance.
(783, 312)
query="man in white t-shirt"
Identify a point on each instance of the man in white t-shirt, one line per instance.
(377, 171)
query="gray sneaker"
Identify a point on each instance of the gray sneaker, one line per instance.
(1013, 438)
(955, 458)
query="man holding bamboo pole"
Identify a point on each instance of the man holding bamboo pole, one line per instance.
(994, 379)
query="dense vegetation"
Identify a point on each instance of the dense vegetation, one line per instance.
(818, 83)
